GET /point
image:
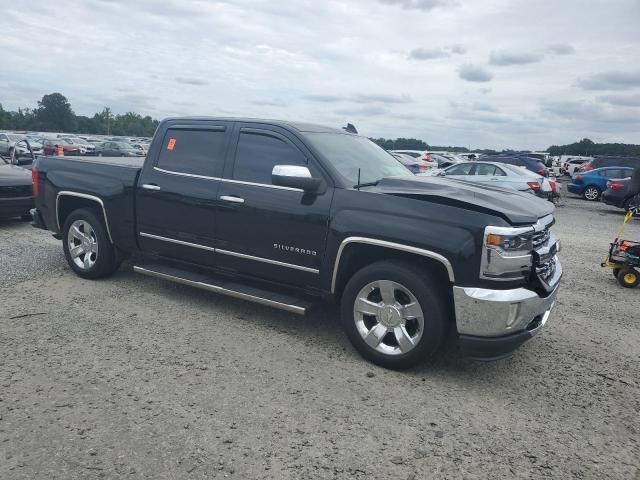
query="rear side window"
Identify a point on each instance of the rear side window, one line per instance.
(258, 153)
(462, 169)
(485, 169)
(197, 152)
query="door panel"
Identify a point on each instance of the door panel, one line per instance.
(267, 231)
(177, 197)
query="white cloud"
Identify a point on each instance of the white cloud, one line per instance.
(336, 60)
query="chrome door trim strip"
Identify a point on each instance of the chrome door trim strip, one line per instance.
(224, 291)
(70, 193)
(226, 180)
(394, 246)
(180, 174)
(179, 242)
(228, 252)
(267, 260)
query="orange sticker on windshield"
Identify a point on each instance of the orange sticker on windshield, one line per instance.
(171, 144)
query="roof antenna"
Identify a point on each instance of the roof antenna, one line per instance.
(350, 128)
(358, 185)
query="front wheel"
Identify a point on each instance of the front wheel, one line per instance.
(86, 245)
(394, 314)
(99, 154)
(591, 193)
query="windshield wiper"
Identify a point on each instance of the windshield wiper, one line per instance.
(358, 185)
(366, 184)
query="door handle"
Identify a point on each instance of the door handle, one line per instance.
(150, 186)
(231, 199)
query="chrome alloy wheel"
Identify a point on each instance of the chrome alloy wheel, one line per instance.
(591, 193)
(388, 317)
(83, 244)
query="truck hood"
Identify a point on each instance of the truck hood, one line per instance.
(515, 207)
(13, 176)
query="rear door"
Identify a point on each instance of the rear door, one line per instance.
(267, 231)
(177, 192)
(4, 144)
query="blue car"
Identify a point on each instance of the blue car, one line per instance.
(591, 184)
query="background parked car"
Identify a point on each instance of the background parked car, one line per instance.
(416, 165)
(117, 149)
(421, 154)
(571, 164)
(443, 161)
(141, 146)
(533, 164)
(591, 184)
(50, 146)
(623, 193)
(600, 162)
(498, 175)
(16, 195)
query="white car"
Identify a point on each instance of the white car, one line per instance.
(421, 154)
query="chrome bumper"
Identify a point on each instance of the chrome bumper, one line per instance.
(482, 312)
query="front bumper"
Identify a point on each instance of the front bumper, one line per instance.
(493, 323)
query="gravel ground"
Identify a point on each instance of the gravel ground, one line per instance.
(138, 378)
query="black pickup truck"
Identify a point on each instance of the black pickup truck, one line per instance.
(285, 214)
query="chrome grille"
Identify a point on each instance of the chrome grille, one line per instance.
(545, 270)
(541, 237)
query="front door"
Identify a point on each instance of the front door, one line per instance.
(267, 231)
(177, 194)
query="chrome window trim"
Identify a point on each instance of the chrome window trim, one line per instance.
(181, 174)
(391, 245)
(228, 252)
(226, 180)
(179, 242)
(267, 260)
(69, 193)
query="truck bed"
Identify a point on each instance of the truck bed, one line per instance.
(109, 181)
(132, 162)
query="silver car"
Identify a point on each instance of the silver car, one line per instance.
(499, 175)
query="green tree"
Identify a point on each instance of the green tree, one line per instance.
(54, 113)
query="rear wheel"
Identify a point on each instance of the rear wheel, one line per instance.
(629, 277)
(394, 314)
(87, 247)
(99, 154)
(633, 203)
(591, 193)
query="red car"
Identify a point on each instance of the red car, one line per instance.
(50, 146)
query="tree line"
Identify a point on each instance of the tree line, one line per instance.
(589, 148)
(54, 114)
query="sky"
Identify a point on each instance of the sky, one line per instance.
(522, 74)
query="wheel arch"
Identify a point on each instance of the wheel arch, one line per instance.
(67, 202)
(357, 252)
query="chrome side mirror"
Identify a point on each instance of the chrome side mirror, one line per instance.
(295, 176)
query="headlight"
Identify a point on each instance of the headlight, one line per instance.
(506, 253)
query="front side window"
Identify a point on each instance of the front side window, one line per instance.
(196, 152)
(258, 153)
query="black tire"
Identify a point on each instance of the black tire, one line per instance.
(629, 277)
(106, 259)
(616, 271)
(633, 202)
(99, 154)
(432, 300)
(591, 193)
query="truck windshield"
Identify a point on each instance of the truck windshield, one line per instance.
(348, 153)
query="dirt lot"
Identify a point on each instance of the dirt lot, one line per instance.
(138, 378)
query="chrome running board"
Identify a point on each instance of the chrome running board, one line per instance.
(271, 299)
